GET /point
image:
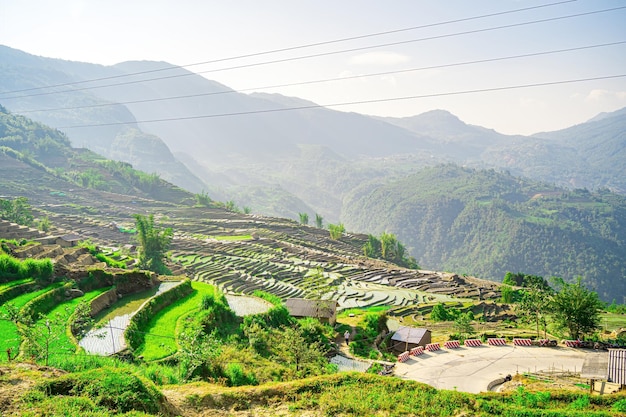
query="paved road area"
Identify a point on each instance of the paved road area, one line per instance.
(472, 369)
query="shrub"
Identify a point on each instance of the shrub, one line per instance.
(236, 376)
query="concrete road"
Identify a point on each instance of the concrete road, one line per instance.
(470, 369)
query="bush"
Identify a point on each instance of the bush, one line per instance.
(110, 388)
(236, 376)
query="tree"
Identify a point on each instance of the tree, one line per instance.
(304, 218)
(154, 243)
(576, 309)
(439, 313)
(16, 211)
(319, 221)
(292, 349)
(371, 248)
(463, 324)
(535, 304)
(197, 352)
(336, 230)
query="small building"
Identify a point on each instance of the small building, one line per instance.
(69, 240)
(406, 338)
(323, 310)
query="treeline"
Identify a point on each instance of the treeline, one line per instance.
(485, 223)
(389, 248)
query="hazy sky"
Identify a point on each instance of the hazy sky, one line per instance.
(190, 31)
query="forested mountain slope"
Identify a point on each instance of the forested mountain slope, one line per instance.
(486, 223)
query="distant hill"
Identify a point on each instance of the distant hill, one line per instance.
(52, 160)
(81, 106)
(486, 223)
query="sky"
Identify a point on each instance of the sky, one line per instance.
(430, 63)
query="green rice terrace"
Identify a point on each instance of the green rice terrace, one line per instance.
(84, 329)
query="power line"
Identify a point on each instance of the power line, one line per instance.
(272, 51)
(317, 106)
(480, 61)
(187, 74)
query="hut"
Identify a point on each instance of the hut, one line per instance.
(323, 310)
(406, 338)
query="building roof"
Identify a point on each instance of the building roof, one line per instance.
(409, 334)
(300, 307)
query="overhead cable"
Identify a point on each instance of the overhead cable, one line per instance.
(317, 106)
(292, 48)
(377, 74)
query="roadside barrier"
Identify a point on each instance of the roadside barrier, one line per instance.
(431, 347)
(522, 342)
(572, 343)
(473, 343)
(452, 344)
(403, 356)
(496, 341)
(416, 351)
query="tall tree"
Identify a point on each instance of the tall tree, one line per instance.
(576, 309)
(535, 304)
(154, 243)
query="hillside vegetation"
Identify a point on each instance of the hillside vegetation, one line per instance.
(485, 223)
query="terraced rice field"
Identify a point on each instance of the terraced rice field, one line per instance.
(10, 284)
(61, 344)
(10, 338)
(107, 337)
(160, 338)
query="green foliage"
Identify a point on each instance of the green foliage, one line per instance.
(237, 377)
(304, 218)
(442, 313)
(336, 230)
(524, 280)
(319, 221)
(107, 387)
(154, 243)
(536, 304)
(463, 324)
(203, 199)
(43, 224)
(576, 309)
(16, 211)
(274, 299)
(485, 223)
(389, 248)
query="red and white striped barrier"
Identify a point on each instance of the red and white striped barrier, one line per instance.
(522, 342)
(431, 347)
(416, 351)
(496, 341)
(403, 357)
(572, 343)
(545, 342)
(473, 343)
(452, 344)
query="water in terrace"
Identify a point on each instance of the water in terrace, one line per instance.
(108, 336)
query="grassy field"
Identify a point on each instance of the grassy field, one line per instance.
(10, 338)
(10, 284)
(160, 340)
(60, 343)
(612, 321)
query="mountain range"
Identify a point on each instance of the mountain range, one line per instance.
(283, 155)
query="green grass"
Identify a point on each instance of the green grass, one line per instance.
(233, 237)
(612, 321)
(160, 340)
(10, 338)
(10, 284)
